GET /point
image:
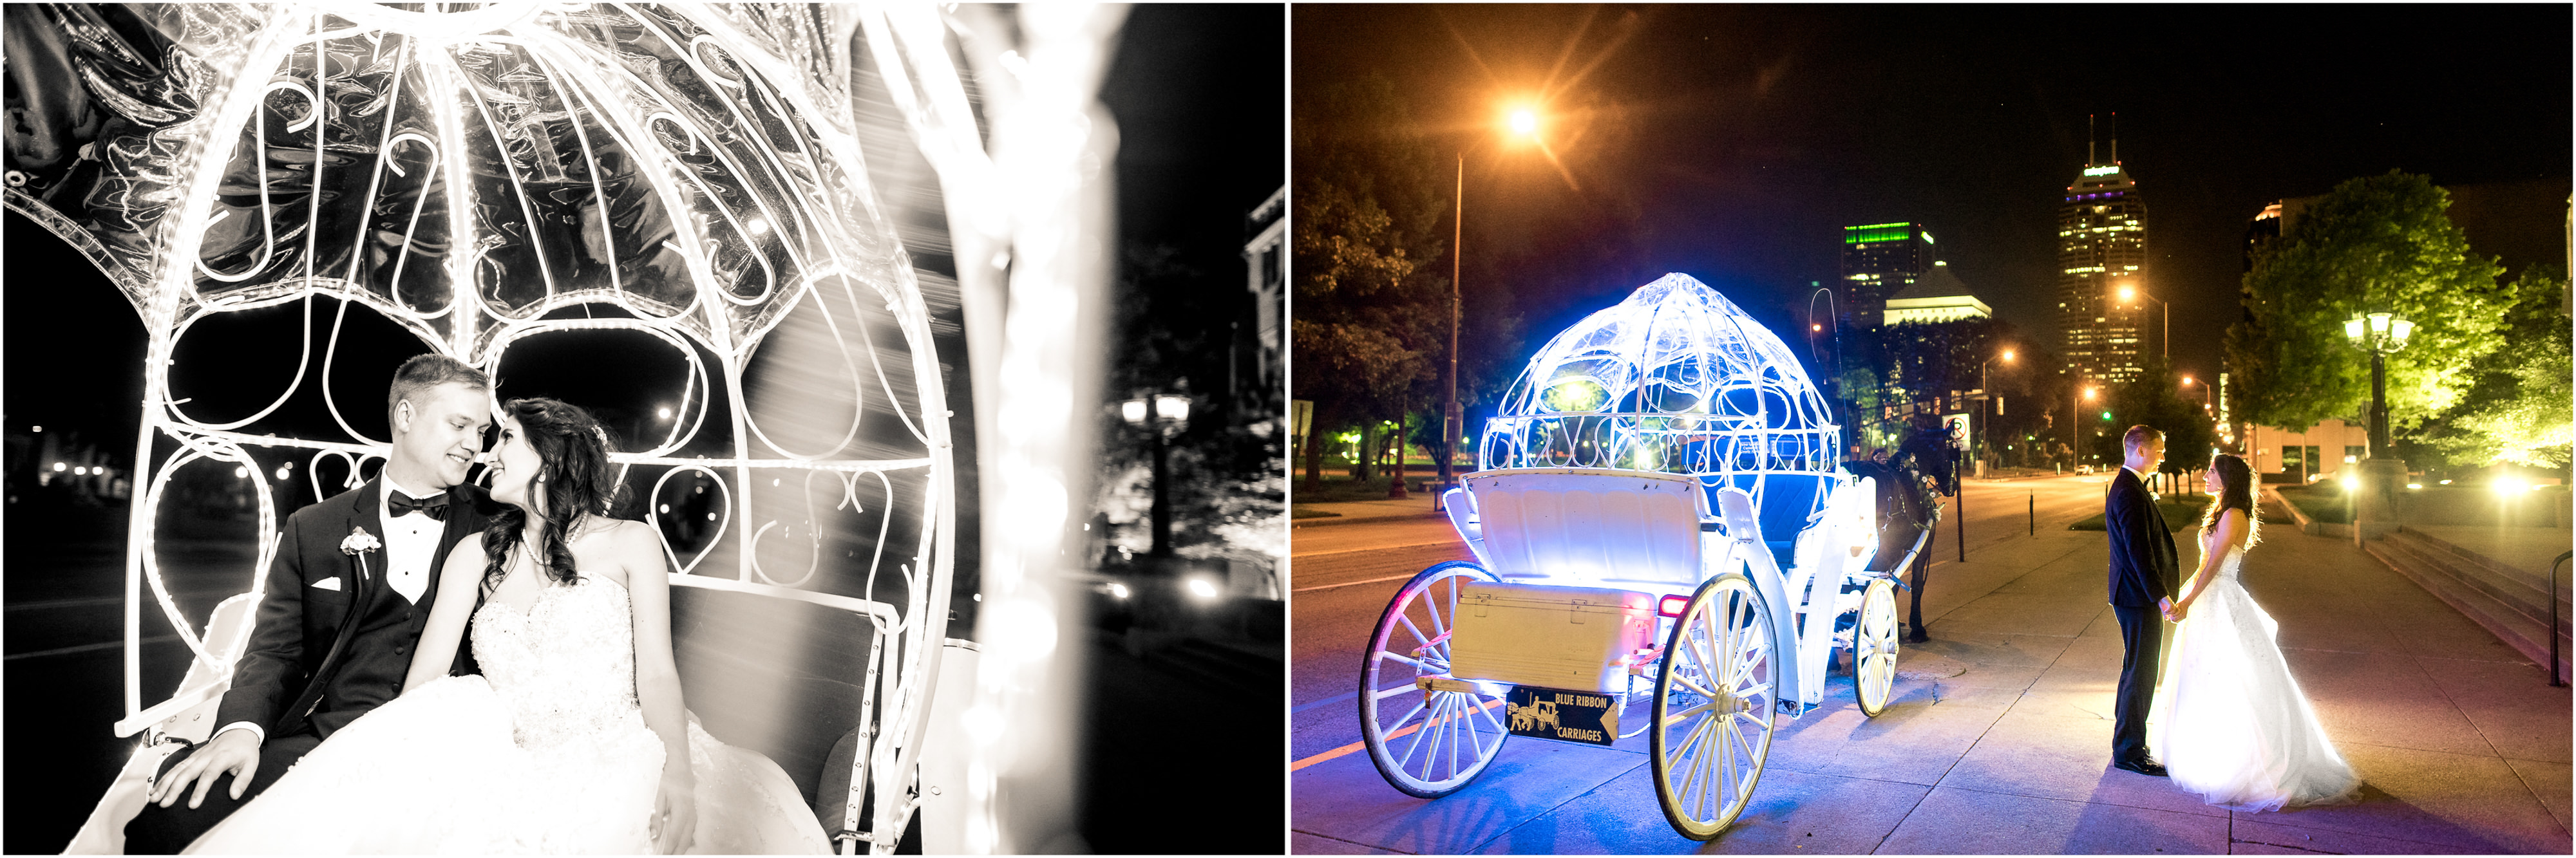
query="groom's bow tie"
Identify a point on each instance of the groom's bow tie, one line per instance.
(435, 506)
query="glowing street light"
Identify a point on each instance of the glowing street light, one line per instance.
(1983, 384)
(2208, 395)
(1171, 413)
(2129, 294)
(1523, 124)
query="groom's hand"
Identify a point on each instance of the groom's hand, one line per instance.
(235, 751)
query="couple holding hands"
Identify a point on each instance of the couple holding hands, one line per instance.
(2224, 718)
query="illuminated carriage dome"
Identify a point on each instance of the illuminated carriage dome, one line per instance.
(1677, 379)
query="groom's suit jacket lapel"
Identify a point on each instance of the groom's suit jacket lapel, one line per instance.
(363, 580)
(371, 595)
(2142, 548)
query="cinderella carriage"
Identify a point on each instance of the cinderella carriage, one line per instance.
(481, 177)
(1666, 542)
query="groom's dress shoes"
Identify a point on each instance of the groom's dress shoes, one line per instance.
(2141, 765)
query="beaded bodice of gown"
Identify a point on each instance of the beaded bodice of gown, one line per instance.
(565, 664)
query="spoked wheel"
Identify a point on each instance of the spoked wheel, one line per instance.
(1426, 742)
(1874, 647)
(1714, 701)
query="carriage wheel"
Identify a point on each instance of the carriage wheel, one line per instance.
(1874, 647)
(1426, 742)
(1713, 707)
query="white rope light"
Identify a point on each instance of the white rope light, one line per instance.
(465, 174)
(1675, 378)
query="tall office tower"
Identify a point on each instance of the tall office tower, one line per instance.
(1880, 260)
(2104, 302)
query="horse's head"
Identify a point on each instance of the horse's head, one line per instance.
(1927, 452)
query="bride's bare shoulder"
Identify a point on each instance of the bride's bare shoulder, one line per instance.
(634, 544)
(623, 544)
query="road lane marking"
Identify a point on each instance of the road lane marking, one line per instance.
(1345, 750)
(1450, 541)
(1355, 583)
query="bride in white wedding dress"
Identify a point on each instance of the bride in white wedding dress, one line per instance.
(573, 739)
(2230, 722)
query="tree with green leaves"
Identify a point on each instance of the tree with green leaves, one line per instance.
(2156, 399)
(2378, 243)
(1371, 314)
(2517, 406)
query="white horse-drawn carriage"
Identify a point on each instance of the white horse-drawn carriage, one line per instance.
(689, 177)
(1660, 519)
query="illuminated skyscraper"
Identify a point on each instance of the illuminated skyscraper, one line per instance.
(1880, 260)
(2102, 250)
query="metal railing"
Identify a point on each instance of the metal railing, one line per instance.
(2555, 680)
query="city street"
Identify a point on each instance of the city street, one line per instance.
(1998, 738)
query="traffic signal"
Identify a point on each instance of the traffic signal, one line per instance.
(2106, 415)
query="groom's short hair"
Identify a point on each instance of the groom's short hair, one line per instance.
(423, 372)
(2138, 436)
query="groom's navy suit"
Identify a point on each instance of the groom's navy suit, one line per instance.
(318, 657)
(2143, 573)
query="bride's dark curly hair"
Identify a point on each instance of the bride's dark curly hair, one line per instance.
(2235, 491)
(573, 451)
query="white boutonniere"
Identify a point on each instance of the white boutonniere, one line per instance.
(359, 543)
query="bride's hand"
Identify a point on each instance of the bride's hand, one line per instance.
(675, 813)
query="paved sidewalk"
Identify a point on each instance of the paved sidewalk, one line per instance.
(2530, 549)
(1998, 741)
(1418, 505)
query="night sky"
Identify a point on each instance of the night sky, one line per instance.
(1733, 143)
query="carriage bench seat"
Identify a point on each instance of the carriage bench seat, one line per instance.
(1590, 526)
(1786, 504)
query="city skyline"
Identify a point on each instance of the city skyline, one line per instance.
(1735, 143)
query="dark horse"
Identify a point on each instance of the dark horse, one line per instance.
(1908, 486)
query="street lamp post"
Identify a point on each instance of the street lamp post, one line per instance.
(1985, 434)
(2208, 397)
(1453, 420)
(2164, 344)
(1162, 415)
(2075, 422)
(2377, 333)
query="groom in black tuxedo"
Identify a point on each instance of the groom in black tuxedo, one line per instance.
(2144, 579)
(339, 616)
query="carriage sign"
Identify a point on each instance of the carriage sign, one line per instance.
(1589, 717)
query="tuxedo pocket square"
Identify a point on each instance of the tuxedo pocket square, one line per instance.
(327, 584)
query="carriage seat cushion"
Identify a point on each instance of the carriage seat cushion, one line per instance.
(1786, 500)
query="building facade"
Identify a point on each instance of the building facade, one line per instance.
(1937, 296)
(2104, 305)
(1880, 260)
(2305, 455)
(1265, 276)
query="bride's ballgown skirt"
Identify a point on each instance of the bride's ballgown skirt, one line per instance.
(2230, 722)
(546, 752)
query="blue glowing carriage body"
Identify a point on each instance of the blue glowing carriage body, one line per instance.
(1661, 518)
